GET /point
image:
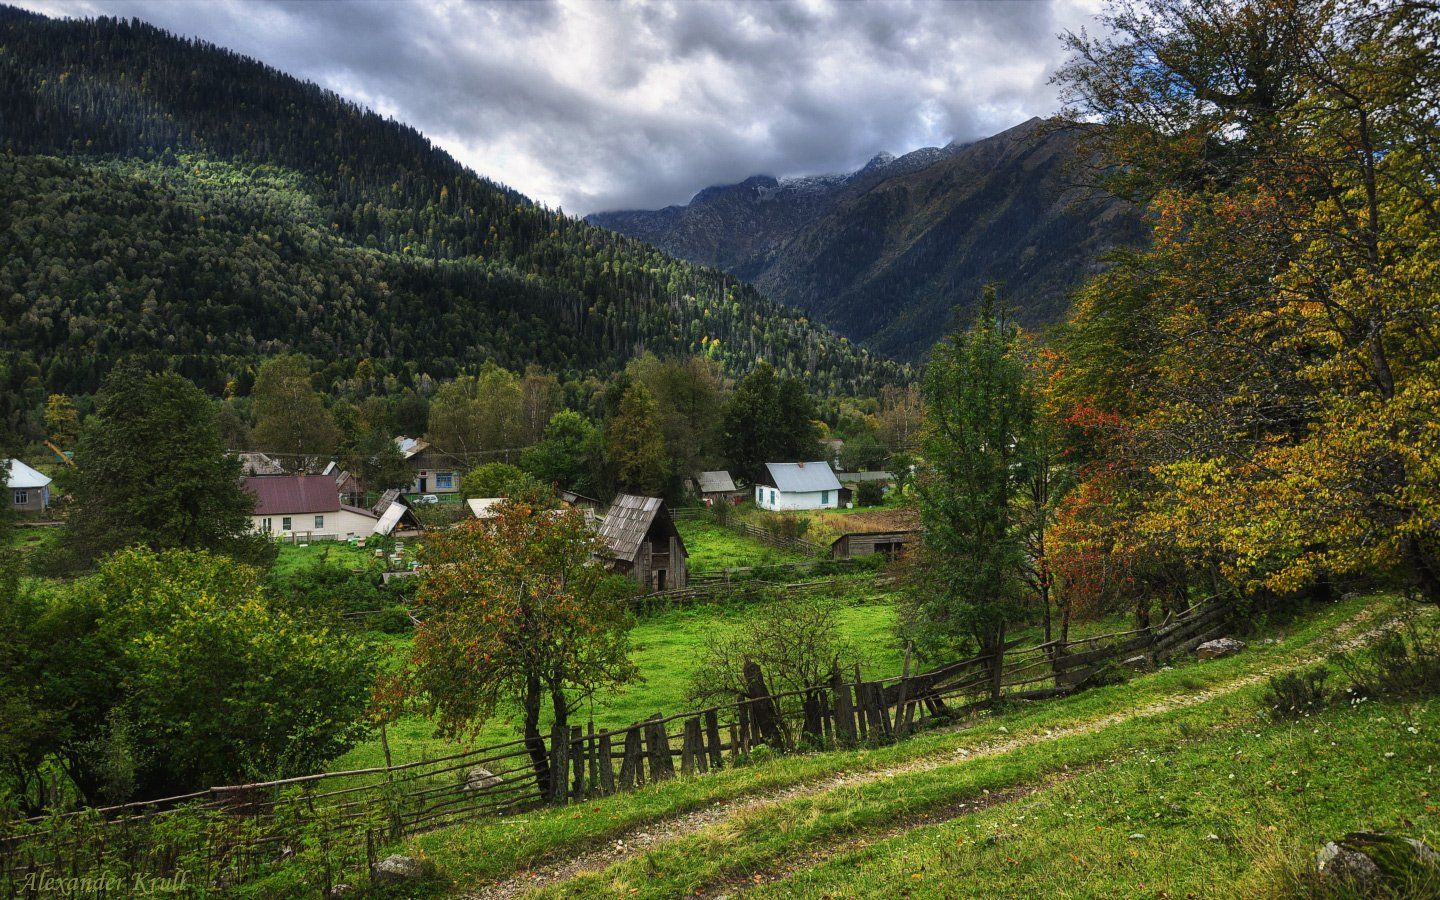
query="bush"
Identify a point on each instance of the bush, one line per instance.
(1404, 662)
(326, 589)
(1297, 694)
(869, 493)
(392, 620)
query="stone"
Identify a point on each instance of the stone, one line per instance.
(399, 868)
(480, 778)
(1139, 663)
(1219, 647)
(1360, 861)
(342, 890)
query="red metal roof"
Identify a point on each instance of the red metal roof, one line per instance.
(283, 495)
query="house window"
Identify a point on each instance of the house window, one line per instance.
(22, 498)
(772, 498)
(824, 498)
(444, 481)
(319, 522)
(267, 525)
(286, 524)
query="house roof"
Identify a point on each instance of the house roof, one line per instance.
(626, 523)
(897, 532)
(858, 477)
(391, 496)
(255, 463)
(802, 477)
(485, 507)
(410, 446)
(281, 495)
(22, 476)
(716, 482)
(390, 518)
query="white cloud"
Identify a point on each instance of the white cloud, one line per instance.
(636, 104)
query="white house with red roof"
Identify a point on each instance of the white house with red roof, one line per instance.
(307, 507)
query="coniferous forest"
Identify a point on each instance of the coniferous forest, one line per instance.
(170, 198)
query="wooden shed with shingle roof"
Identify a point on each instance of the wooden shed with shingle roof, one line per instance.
(643, 542)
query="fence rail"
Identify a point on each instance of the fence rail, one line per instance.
(233, 833)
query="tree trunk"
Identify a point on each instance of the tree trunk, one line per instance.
(1426, 567)
(534, 742)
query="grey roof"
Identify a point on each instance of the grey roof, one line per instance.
(715, 482)
(256, 463)
(391, 496)
(858, 477)
(625, 524)
(802, 477)
(19, 475)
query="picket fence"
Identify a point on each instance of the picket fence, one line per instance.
(339, 821)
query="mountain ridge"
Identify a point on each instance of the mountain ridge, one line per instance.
(884, 253)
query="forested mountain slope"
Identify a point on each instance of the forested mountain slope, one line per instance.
(167, 196)
(883, 255)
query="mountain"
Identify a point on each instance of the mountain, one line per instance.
(167, 197)
(884, 255)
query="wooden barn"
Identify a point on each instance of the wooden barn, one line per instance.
(643, 542)
(864, 543)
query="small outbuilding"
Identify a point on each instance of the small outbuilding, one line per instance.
(29, 490)
(642, 542)
(717, 487)
(864, 543)
(798, 485)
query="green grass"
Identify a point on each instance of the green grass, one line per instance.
(713, 547)
(667, 648)
(33, 537)
(473, 853)
(294, 557)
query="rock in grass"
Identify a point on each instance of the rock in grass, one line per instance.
(480, 778)
(399, 868)
(1218, 648)
(1361, 861)
(1139, 663)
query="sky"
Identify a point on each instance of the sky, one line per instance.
(594, 106)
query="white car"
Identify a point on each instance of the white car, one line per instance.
(428, 499)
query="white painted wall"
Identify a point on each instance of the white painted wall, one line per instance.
(778, 500)
(338, 525)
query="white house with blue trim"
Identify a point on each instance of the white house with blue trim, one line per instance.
(802, 485)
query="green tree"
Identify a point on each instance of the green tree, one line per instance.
(517, 608)
(769, 419)
(635, 444)
(380, 463)
(500, 479)
(150, 469)
(62, 420)
(977, 420)
(570, 455)
(290, 416)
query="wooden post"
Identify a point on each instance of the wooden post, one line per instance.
(559, 763)
(658, 746)
(811, 726)
(734, 743)
(844, 714)
(687, 749)
(592, 755)
(762, 707)
(712, 737)
(876, 710)
(632, 767)
(997, 664)
(577, 762)
(607, 764)
(902, 699)
(695, 742)
(742, 714)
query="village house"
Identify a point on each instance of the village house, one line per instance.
(802, 485)
(309, 508)
(717, 487)
(28, 489)
(643, 543)
(434, 470)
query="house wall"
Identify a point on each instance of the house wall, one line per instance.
(850, 546)
(35, 499)
(778, 500)
(338, 525)
(433, 469)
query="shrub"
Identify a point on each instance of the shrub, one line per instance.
(869, 493)
(1404, 662)
(1297, 694)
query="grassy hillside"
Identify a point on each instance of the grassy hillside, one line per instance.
(1172, 784)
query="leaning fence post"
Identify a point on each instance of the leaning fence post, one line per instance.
(658, 744)
(577, 762)
(712, 737)
(762, 712)
(607, 764)
(997, 664)
(902, 699)
(632, 767)
(844, 715)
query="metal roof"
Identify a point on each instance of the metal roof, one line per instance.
(485, 507)
(625, 524)
(280, 495)
(387, 498)
(716, 482)
(858, 477)
(802, 477)
(22, 476)
(390, 519)
(410, 446)
(256, 463)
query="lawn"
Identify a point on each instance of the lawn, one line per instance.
(713, 547)
(294, 557)
(667, 648)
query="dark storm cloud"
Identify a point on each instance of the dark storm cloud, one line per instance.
(640, 104)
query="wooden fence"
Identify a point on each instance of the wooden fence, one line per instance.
(227, 835)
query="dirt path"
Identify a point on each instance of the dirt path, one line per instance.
(1349, 635)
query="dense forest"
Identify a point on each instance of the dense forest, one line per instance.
(170, 198)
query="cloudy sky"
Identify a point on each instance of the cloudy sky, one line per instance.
(595, 106)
